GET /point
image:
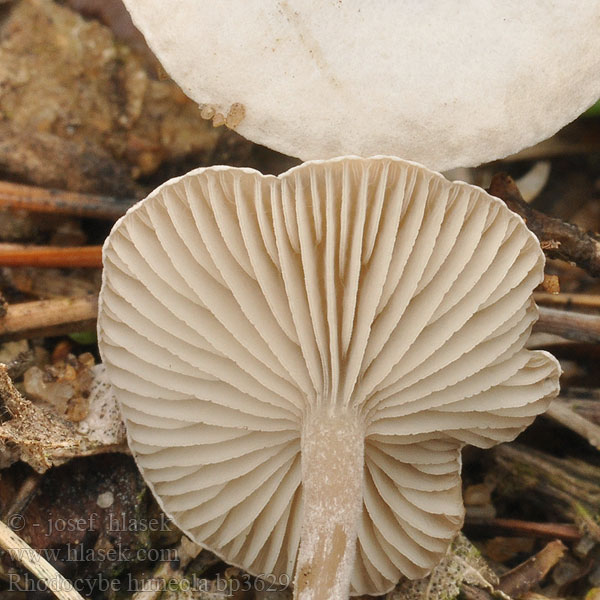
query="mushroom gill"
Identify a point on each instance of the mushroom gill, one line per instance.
(300, 359)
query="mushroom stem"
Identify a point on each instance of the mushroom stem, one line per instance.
(332, 471)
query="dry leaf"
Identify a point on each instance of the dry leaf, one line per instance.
(462, 563)
(38, 436)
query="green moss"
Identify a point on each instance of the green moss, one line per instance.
(85, 338)
(593, 111)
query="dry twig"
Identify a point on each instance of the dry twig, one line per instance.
(568, 301)
(17, 255)
(563, 487)
(23, 496)
(576, 326)
(58, 202)
(23, 320)
(560, 412)
(522, 578)
(557, 238)
(564, 531)
(53, 283)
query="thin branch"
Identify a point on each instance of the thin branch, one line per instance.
(560, 412)
(58, 202)
(522, 578)
(568, 301)
(564, 531)
(576, 326)
(16, 255)
(24, 554)
(30, 316)
(23, 496)
(563, 486)
(557, 238)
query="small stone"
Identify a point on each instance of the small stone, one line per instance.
(53, 392)
(77, 409)
(9, 351)
(66, 385)
(105, 500)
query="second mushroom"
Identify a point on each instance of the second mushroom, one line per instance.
(300, 360)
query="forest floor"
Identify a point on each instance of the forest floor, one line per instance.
(89, 124)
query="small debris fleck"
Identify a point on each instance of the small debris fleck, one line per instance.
(551, 284)
(236, 115)
(105, 500)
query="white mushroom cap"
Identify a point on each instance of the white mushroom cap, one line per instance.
(245, 319)
(448, 84)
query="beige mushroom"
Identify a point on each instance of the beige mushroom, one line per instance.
(449, 84)
(300, 359)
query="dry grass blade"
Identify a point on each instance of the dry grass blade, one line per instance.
(34, 562)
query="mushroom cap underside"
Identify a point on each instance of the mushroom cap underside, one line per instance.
(234, 305)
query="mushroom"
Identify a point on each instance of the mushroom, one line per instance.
(447, 84)
(300, 360)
